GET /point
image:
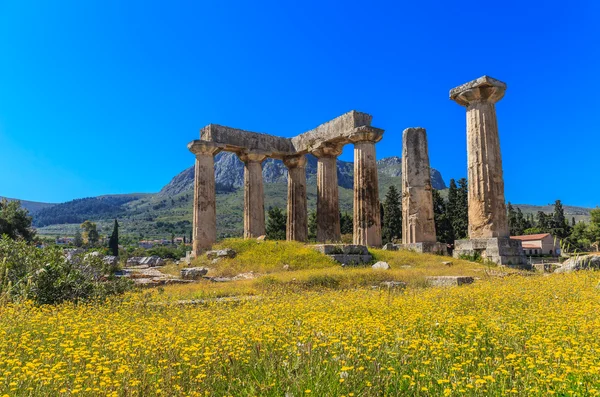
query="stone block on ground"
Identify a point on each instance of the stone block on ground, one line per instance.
(193, 273)
(338, 249)
(381, 266)
(425, 248)
(582, 262)
(390, 247)
(224, 253)
(351, 260)
(500, 250)
(449, 281)
(393, 284)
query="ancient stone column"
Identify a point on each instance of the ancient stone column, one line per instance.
(367, 215)
(204, 232)
(418, 225)
(487, 208)
(297, 225)
(328, 212)
(254, 201)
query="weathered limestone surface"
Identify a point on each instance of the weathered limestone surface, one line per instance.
(236, 140)
(254, 201)
(336, 130)
(418, 225)
(205, 210)
(367, 216)
(427, 247)
(487, 208)
(500, 250)
(328, 213)
(297, 224)
(488, 224)
(449, 281)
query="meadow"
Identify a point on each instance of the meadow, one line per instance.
(512, 335)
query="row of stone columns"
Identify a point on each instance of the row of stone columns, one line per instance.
(367, 222)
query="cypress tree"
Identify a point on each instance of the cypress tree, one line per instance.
(312, 225)
(113, 241)
(392, 216)
(276, 224)
(443, 226)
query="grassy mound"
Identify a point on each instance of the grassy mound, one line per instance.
(265, 257)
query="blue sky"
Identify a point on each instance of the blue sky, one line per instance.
(101, 97)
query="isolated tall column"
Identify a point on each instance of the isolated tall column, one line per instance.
(297, 225)
(328, 212)
(254, 201)
(367, 215)
(418, 224)
(487, 208)
(204, 232)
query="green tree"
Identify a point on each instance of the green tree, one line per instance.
(392, 216)
(559, 226)
(443, 226)
(90, 233)
(113, 241)
(458, 209)
(543, 222)
(78, 240)
(511, 216)
(346, 223)
(276, 224)
(312, 225)
(15, 221)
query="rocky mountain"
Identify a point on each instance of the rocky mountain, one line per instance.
(229, 174)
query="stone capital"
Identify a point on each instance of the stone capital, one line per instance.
(295, 161)
(483, 89)
(252, 157)
(366, 134)
(328, 149)
(203, 148)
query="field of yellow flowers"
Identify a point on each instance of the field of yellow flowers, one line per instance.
(522, 336)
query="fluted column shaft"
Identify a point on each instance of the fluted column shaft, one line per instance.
(367, 218)
(487, 207)
(418, 224)
(254, 201)
(297, 225)
(204, 232)
(367, 215)
(328, 212)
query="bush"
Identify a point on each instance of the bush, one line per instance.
(45, 276)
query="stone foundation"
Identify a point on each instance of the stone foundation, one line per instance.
(500, 250)
(425, 248)
(346, 254)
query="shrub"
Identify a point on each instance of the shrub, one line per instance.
(45, 276)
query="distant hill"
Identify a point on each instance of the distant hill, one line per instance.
(31, 206)
(79, 210)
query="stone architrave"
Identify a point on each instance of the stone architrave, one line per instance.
(367, 215)
(254, 201)
(328, 213)
(205, 213)
(297, 225)
(488, 224)
(418, 224)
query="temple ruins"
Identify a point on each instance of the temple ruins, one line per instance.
(488, 225)
(418, 224)
(326, 143)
